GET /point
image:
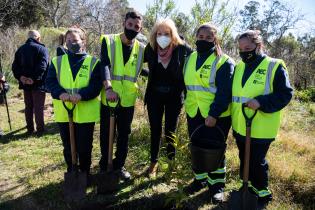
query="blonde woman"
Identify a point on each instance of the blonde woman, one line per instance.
(165, 55)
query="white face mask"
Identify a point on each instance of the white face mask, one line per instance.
(163, 41)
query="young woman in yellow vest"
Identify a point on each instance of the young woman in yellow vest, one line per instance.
(262, 83)
(208, 79)
(121, 60)
(74, 78)
(165, 55)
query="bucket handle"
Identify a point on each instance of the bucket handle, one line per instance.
(202, 125)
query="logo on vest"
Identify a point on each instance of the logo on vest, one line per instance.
(85, 67)
(135, 58)
(261, 71)
(204, 71)
(256, 82)
(82, 75)
(207, 67)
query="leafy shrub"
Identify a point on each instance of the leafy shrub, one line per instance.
(306, 95)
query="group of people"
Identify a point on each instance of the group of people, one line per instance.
(206, 81)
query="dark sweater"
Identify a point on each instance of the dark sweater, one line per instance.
(223, 82)
(75, 60)
(31, 60)
(169, 80)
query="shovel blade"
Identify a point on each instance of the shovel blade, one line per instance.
(242, 200)
(107, 182)
(75, 186)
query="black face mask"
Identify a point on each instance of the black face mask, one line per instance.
(204, 46)
(130, 34)
(249, 56)
(74, 47)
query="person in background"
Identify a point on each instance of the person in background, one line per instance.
(262, 83)
(208, 79)
(61, 49)
(29, 67)
(121, 59)
(2, 89)
(75, 78)
(165, 55)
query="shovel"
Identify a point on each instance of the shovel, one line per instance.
(243, 199)
(109, 181)
(75, 181)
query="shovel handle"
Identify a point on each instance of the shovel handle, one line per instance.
(72, 137)
(247, 144)
(248, 119)
(111, 135)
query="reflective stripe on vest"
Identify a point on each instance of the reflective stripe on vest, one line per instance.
(200, 84)
(85, 111)
(201, 88)
(123, 83)
(260, 82)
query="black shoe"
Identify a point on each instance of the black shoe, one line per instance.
(124, 174)
(217, 198)
(39, 133)
(29, 132)
(195, 186)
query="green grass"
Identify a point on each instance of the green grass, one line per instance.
(32, 169)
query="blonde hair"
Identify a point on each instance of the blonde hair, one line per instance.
(214, 30)
(176, 40)
(255, 37)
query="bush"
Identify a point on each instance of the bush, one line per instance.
(307, 95)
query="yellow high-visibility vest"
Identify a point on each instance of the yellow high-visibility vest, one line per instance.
(85, 111)
(123, 77)
(264, 125)
(200, 84)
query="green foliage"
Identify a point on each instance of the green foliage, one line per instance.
(307, 95)
(24, 13)
(50, 38)
(159, 9)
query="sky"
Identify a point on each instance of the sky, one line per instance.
(307, 7)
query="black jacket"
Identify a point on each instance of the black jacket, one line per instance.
(31, 60)
(173, 72)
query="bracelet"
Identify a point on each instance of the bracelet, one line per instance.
(108, 88)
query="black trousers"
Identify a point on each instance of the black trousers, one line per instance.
(215, 179)
(83, 133)
(124, 116)
(157, 106)
(258, 165)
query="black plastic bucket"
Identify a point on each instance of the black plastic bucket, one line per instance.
(208, 157)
